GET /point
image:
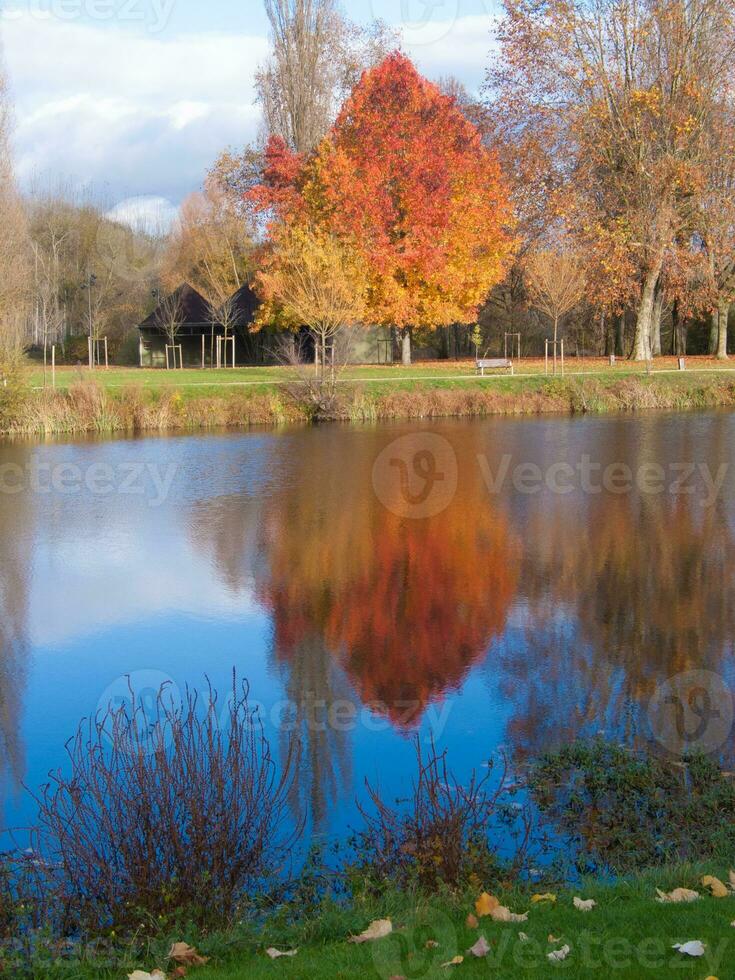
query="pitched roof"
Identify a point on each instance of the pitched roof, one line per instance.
(194, 309)
(244, 306)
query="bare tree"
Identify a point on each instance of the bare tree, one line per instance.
(317, 59)
(556, 284)
(170, 318)
(14, 243)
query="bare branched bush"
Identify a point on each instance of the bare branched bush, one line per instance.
(445, 832)
(176, 809)
(318, 392)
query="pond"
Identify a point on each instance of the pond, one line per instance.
(501, 585)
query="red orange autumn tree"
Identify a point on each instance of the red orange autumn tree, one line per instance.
(403, 179)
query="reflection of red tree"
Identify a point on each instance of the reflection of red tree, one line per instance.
(416, 620)
(407, 606)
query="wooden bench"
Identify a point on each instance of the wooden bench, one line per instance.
(493, 363)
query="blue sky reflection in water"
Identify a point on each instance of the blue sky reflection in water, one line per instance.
(520, 615)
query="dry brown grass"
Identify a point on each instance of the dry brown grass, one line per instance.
(88, 407)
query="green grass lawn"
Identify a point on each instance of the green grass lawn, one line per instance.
(434, 372)
(628, 935)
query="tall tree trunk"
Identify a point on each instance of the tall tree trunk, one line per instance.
(714, 333)
(644, 320)
(676, 339)
(723, 311)
(406, 347)
(620, 335)
(658, 309)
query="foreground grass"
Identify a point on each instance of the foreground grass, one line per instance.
(462, 370)
(628, 935)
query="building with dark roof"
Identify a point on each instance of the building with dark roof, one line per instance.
(197, 325)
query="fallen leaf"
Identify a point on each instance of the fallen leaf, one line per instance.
(678, 895)
(523, 937)
(142, 975)
(471, 921)
(548, 897)
(186, 955)
(455, 962)
(376, 930)
(432, 944)
(485, 904)
(481, 948)
(178, 973)
(716, 887)
(276, 954)
(584, 906)
(553, 939)
(502, 914)
(693, 948)
(557, 955)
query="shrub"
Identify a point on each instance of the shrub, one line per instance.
(176, 812)
(623, 811)
(445, 833)
(13, 390)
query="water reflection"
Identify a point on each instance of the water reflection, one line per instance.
(15, 516)
(514, 616)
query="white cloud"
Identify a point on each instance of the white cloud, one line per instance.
(458, 47)
(143, 115)
(150, 215)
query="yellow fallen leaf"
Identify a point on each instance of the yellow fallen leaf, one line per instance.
(548, 897)
(471, 921)
(678, 895)
(584, 906)
(376, 930)
(558, 954)
(553, 939)
(485, 904)
(432, 944)
(276, 954)
(715, 886)
(186, 955)
(455, 962)
(502, 914)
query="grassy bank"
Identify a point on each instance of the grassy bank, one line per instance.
(130, 400)
(628, 935)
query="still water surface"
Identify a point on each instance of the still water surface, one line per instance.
(370, 583)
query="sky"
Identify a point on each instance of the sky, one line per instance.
(133, 100)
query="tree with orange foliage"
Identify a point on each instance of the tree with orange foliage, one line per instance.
(318, 283)
(617, 97)
(404, 179)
